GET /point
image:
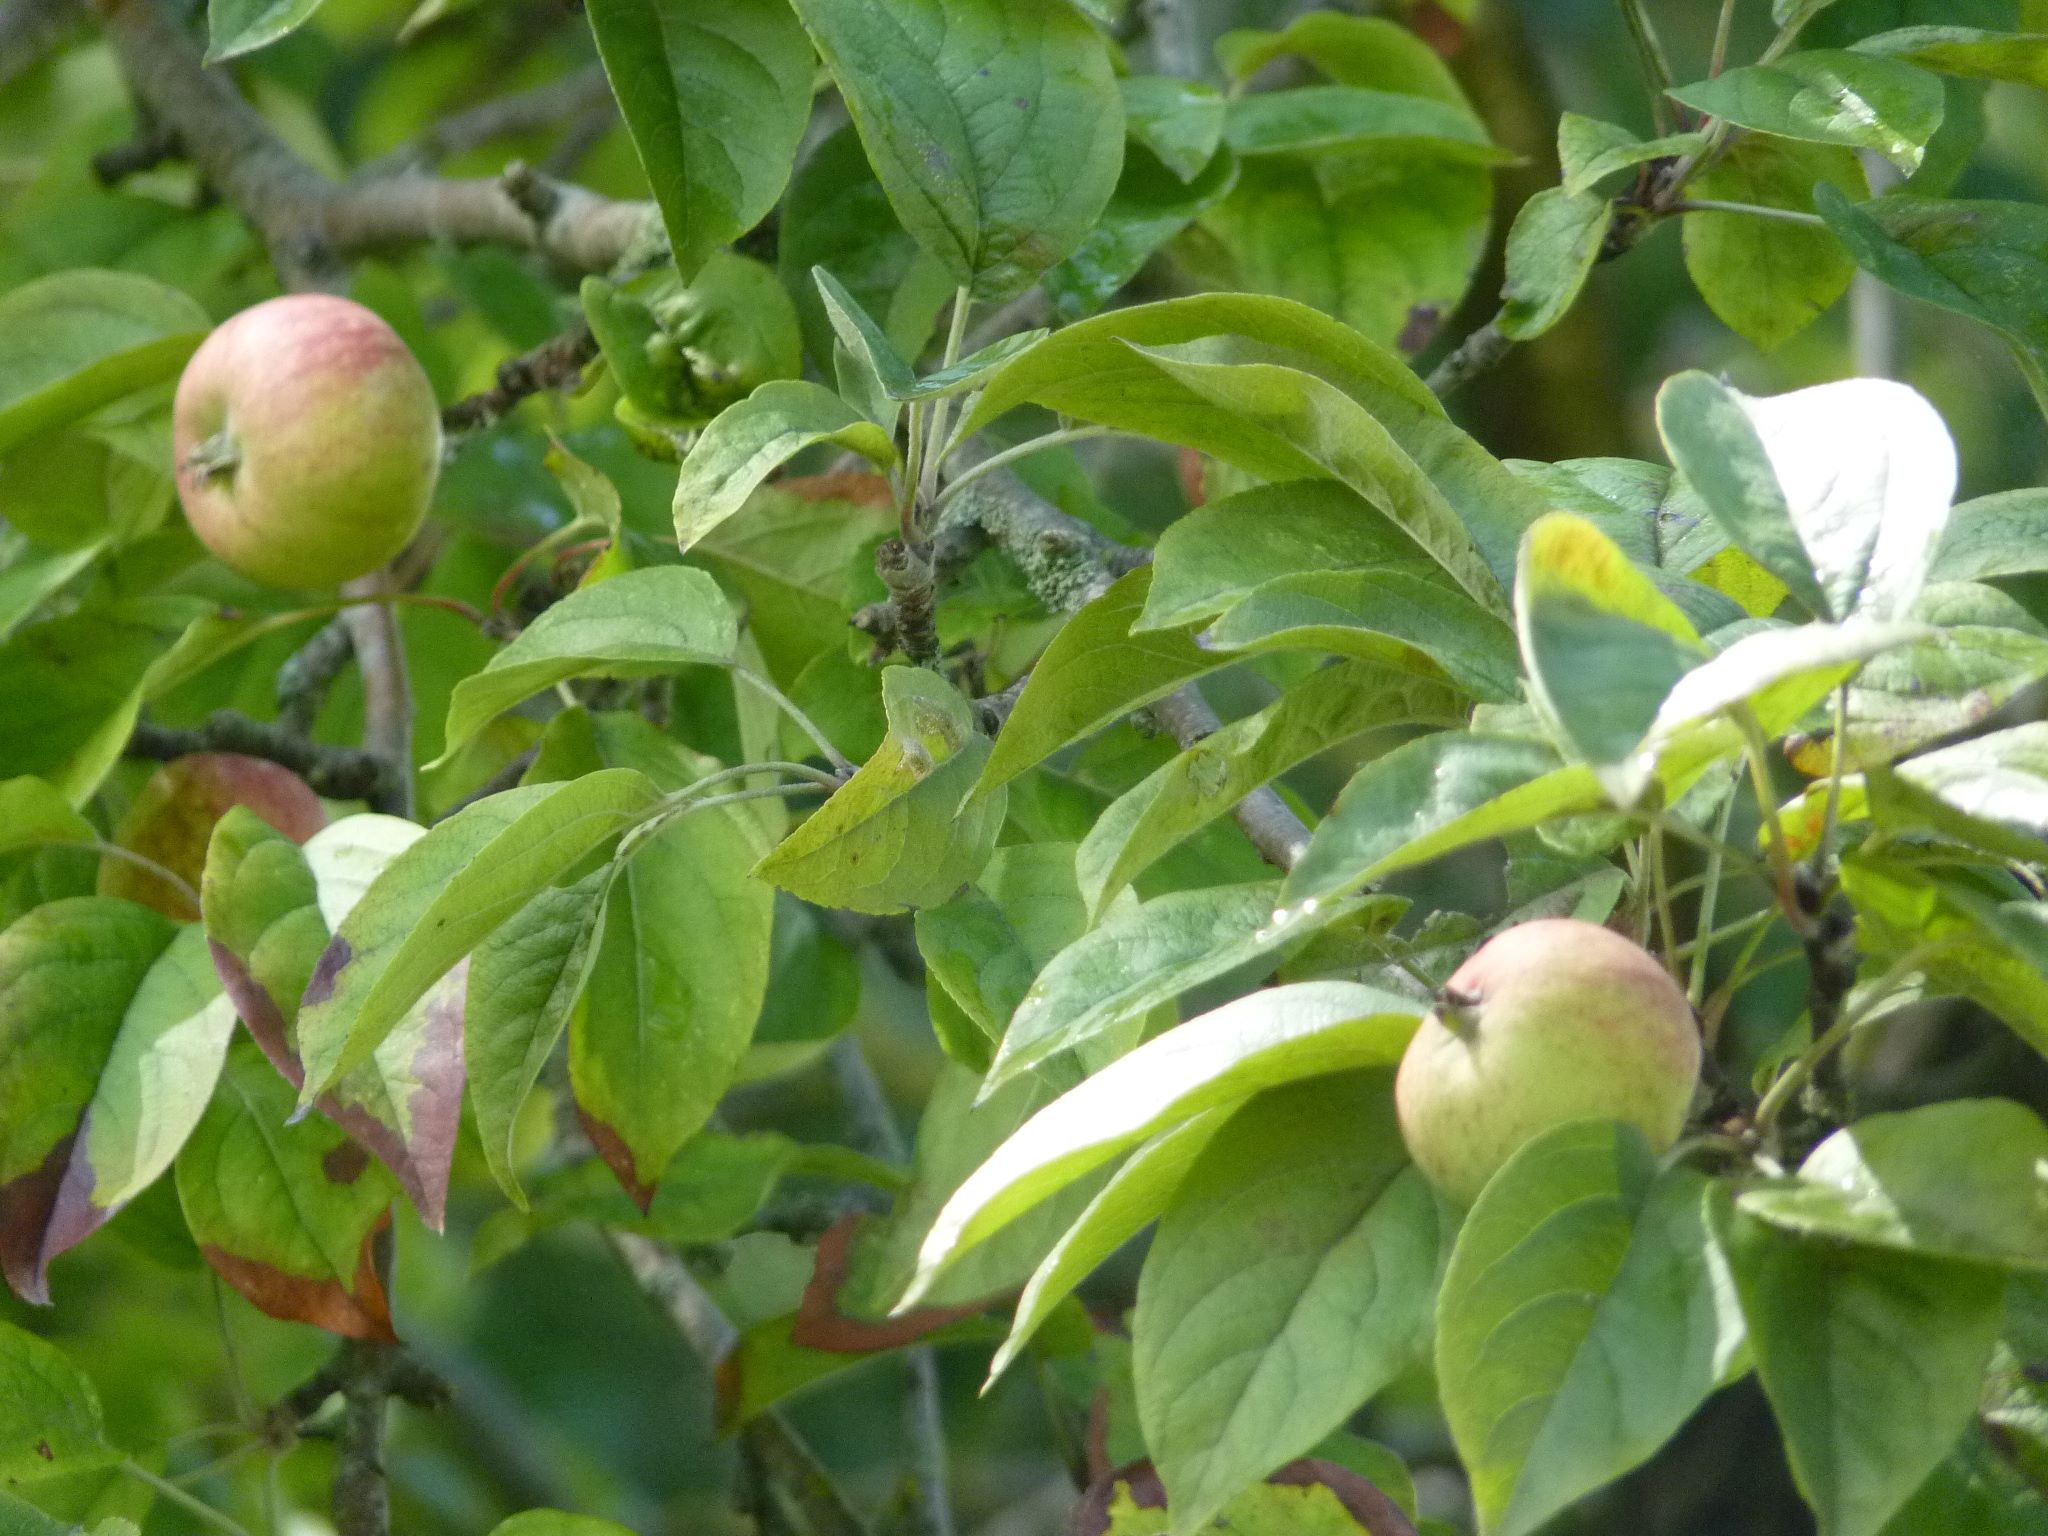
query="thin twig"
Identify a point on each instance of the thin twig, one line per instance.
(557, 364)
(198, 1508)
(568, 98)
(307, 674)
(1751, 210)
(1722, 27)
(307, 219)
(872, 1129)
(1472, 357)
(804, 722)
(387, 691)
(711, 1336)
(339, 773)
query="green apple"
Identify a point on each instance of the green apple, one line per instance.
(1549, 1022)
(308, 442)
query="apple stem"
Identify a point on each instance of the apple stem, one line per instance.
(215, 457)
(1457, 1007)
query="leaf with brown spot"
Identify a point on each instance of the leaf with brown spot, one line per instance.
(270, 1216)
(263, 902)
(173, 819)
(49, 1413)
(112, 1030)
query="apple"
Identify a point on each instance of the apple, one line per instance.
(1552, 1021)
(308, 441)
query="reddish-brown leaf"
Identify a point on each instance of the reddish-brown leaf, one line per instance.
(172, 821)
(820, 1324)
(359, 1310)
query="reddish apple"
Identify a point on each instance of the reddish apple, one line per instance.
(308, 442)
(1549, 1022)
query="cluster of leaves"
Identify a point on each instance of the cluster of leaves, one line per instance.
(1596, 666)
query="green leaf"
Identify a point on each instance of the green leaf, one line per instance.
(1840, 491)
(1313, 118)
(1385, 239)
(1352, 50)
(30, 581)
(1209, 558)
(1828, 96)
(1969, 943)
(79, 340)
(1127, 1204)
(1222, 1058)
(524, 981)
(748, 442)
(1982, 260)
(1191, 790)
(862, 336)
(983, 948)
(72, 972)
(552, 1522)
(716, 94)
(1776, 674)
(1095, 671)
(1140, 959)
(236, 27)
(443, 896)
(1390, 616)
(795, 561)
(1590, 150)
(640, 624)
(1304, 1226)
(1430, 796)
(1962, 1180)
(49, 1413)
(710, 1190)
(1603, 647)
(33, 815)
(2000, 777)
(1768, 279)
(679, 972)
(1151, 205)
(2000, 535)
(76, 684)
(955, 1135)
(1283, 410)
(1556, 239)
(1179, 121)
(270, 910)
(1971, 52)
(1586, 1313)
(836, 215)
(994, 125)
(905, 831)
(285, 1212)
(1091, 371)
(1872, 1361)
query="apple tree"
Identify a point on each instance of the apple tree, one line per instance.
(844, 767)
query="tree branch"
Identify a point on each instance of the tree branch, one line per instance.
(575, 95)
(29, 29)
(339, 773)
(307, 674)
(310, 221)
(556, 364)
(387, 690)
